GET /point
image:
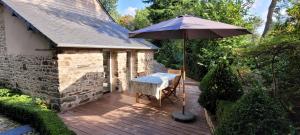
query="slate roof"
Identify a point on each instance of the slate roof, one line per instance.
(75, 23)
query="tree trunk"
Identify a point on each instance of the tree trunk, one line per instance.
(269, 17)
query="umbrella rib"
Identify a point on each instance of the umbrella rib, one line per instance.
(216, 33)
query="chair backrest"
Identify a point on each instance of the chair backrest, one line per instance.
(173, 71)
(176, 81)
(140, 74)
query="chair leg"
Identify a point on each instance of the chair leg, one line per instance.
(170, 100)
(175, 93)
(137, 97)
(160, 97)
(149, 98)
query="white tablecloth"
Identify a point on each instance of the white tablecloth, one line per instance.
(151, 84)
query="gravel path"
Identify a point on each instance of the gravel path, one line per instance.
(7, 124)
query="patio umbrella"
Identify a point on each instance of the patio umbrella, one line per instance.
(188, 27)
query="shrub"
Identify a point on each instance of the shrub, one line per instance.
(8, 93)
(254, 114)
(223, 108)
(220, 83)
(21, 108)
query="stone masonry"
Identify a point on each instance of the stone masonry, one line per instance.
(122, 69)
(142, 61)
(81, 76)
(145, 60)
(34, 75)
(3, 49)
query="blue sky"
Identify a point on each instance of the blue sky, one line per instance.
(259, 8)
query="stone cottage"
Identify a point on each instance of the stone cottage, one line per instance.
(68, 52)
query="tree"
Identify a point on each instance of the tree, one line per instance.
(269, 17)
(127, 21)
(141, 19)
(111, 7)
(202, 53)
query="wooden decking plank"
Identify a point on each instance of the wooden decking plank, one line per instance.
(142, 124)
(87, 129)
(174, 126)
(176, 123)
(100, 127)
(165, 120)
(116, 125)
(165, 124)
(117, 113)
(79, 132)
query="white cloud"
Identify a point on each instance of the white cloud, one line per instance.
(130, 11)
(255, 4)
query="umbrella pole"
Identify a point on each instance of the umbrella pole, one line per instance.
(184, 116)
(184, 75)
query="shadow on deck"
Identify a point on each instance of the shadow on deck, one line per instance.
(118, 113)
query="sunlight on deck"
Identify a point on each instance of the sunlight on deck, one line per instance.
(117, 113)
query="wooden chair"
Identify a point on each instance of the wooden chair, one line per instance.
(171, 90)
(173, 71)
(140, 74)
(177, 72)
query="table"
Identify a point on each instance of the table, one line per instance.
(151, 85)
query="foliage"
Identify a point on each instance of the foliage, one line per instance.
(202, 53)
(111, 7)
(220, 83)
(7, 93)
(254, 113)
(141, 19)
(294, 20)
(274, 62)
(127, 22)
(23, 109)
(223, 108)
(171, 54)
(277, 60)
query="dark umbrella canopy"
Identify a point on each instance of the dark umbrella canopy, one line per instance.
(189, 27)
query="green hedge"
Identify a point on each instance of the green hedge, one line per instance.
(223, 108)
(220, 83)
(255, 114)
(22, 108)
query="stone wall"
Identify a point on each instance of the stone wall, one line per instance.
(3, 49)
(120, 70)
(123, 70)
(32, 74)
(145, 60)
(126, 65)
(81, 76)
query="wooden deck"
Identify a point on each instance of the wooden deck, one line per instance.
(119, 114)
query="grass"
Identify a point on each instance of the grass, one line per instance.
(23, 109)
